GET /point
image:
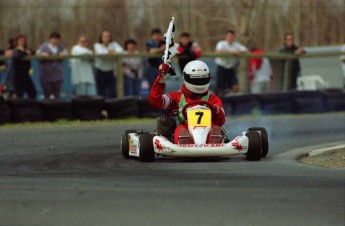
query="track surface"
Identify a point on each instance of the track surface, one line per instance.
(77, 176)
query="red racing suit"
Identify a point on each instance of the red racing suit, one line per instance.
(170, 101)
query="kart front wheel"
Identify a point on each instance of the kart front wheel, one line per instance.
(146, 151)
(254, 146)
(264, 139)
(125, 143)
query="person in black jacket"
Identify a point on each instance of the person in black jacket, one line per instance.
(188, 50)
(291, 48)
(21, 69)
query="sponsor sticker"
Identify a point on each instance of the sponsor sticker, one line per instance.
(200, 145)
(158, 145)
(133, 149)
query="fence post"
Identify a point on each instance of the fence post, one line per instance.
(119, 77)
(286, 74)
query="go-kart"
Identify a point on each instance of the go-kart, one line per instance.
(144, 145)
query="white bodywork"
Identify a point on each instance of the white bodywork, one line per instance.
(199, 126)
(164, 147)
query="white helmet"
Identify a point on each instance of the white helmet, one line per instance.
(197, 76)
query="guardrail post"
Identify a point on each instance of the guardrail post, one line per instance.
(246, 75)
(286, 75)
(119, 77)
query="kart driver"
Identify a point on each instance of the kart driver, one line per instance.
(196, 83)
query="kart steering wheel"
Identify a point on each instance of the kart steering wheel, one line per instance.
(200, 102)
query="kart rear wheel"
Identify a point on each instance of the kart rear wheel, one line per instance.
(146, 151)
(125, 143)
(264, 140)
(254, 146)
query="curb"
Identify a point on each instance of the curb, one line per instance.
(325, 150)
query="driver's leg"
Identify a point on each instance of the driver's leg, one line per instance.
(215, 135)
(182, 136)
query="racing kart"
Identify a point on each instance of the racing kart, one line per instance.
(144, 145)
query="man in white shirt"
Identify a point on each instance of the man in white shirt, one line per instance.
(105, 67)
(226, 66)
(83, 80)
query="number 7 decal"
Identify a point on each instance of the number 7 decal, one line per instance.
(200, 114)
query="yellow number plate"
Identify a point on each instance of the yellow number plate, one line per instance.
(200, 117)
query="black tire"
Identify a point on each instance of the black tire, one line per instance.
(86, 102)
(4, 114)
(54, 110)
(25, 110)
(123, 113)
(146, 152)
(254, 146)
(264, 140)
(125, 143)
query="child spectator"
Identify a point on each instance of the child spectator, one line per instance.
(226, 67)
(21, 68)
(188, 50)
(291, 48)
(260, 72)
(155, 45)
(132, 69)
(51, 72)
(83, 80)
(105, 67)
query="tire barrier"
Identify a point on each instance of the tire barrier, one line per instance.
(54, 110)
(24, 110)
(122, 107)
(242, 104)
(277, 103)
(333, 101)
(306, 102)
(4, 112)
(87, 108)
(146, 110)
(94, 108)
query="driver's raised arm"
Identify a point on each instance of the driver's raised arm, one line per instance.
(157, 98)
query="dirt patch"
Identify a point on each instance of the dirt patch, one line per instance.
(332, 159)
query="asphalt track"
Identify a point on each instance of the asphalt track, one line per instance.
(75, 175)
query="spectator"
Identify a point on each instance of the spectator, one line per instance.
(132, 69)
(342, 58)
(156, 45)
(105, 67)
(51, 72)
(2, 71)
(291, 48)
(8, 78)
(260, 72)
(21, 69)
(83, 80)
(226, 67)
(188, 50)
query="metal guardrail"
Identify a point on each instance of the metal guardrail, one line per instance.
(287, 58)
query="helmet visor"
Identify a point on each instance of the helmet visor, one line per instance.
(198, 79)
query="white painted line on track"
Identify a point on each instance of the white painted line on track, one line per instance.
(324, 150)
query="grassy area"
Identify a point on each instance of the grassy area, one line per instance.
(133, 120)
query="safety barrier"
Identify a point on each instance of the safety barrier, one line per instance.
(97, 108)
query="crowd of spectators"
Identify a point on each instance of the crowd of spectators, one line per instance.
(97, 76)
